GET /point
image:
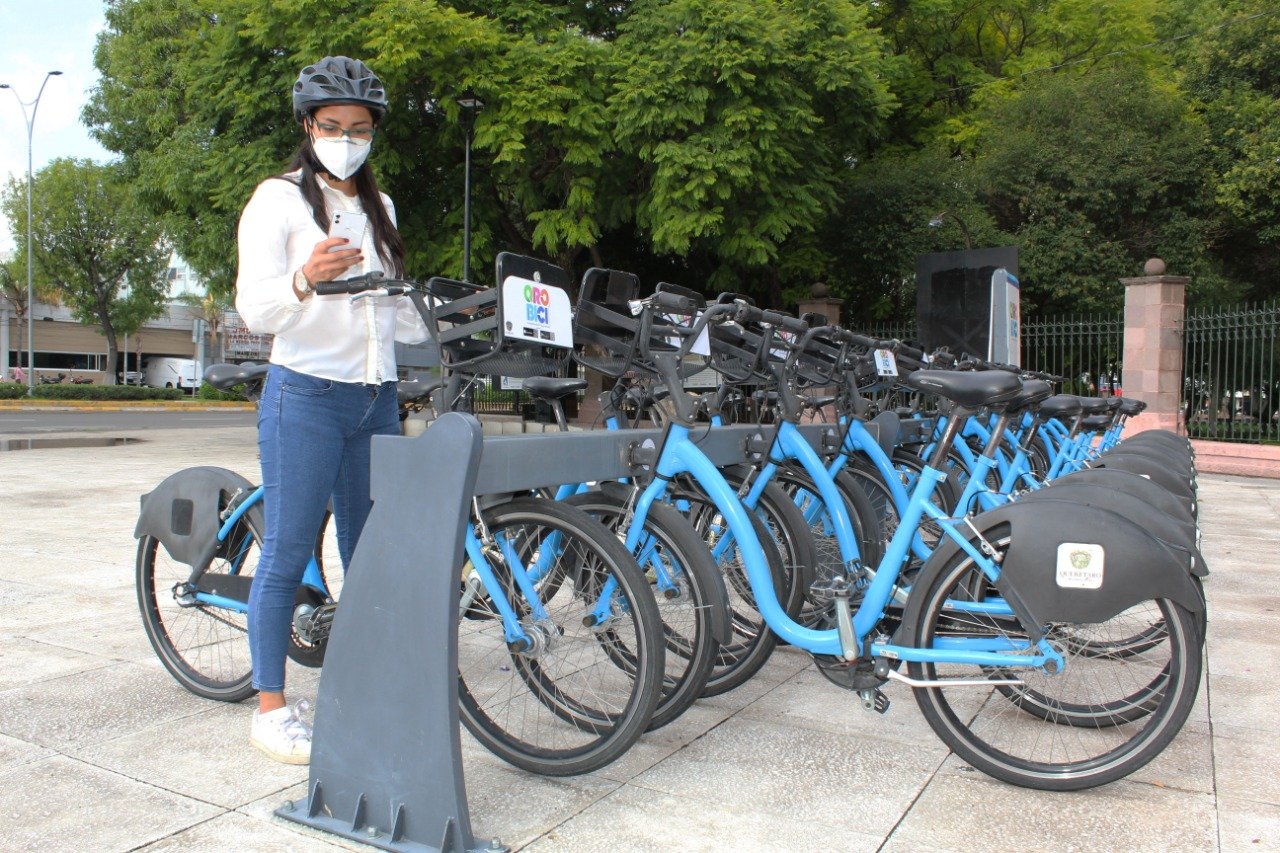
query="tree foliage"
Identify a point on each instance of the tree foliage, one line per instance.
(758, 145)
(94, 246)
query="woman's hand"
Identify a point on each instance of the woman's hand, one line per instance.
(328, 263)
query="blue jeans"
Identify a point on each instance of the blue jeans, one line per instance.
(314, 438)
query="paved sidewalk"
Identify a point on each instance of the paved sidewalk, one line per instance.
(100, 750)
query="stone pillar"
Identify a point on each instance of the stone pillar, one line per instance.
(589, 408)
(820, 303)
(1154, 307)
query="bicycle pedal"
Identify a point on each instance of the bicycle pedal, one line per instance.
(828, 589)
(874, 700)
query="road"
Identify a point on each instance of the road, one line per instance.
(29, 422)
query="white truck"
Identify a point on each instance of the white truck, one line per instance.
(168, 372)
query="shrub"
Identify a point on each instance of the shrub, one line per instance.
(208, 392)
(106, 392)
(12, 390)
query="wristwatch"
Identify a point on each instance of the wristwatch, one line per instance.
(300, 282)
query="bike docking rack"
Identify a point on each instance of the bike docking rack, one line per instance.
(386, 761)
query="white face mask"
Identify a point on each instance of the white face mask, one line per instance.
(341, 157)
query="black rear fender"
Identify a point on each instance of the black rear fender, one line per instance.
(183, 512)
(1068, 562)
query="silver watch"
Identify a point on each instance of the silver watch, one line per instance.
(300, 282)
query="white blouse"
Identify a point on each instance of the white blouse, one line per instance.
(331, 337)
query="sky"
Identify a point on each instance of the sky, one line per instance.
(53, 35)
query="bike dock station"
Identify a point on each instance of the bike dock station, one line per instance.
(386, 766)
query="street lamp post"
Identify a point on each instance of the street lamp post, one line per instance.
(471, 105)
(936, 222)
(31, 123)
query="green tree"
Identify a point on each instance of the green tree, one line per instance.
(94, 247)
(1094, 173)
(210, 308)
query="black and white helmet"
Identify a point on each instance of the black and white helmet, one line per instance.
(338, 80)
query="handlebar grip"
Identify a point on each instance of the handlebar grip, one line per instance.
(909, 352)
(786, 321)
(748, 314)
(674, 302)
(329, 288)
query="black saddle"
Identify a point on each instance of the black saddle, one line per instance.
(553, 387)
(1061, 406)
(408, 390)
(970, 390)
(226, 376)
(1033, 391)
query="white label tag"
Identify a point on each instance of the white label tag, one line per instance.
(1080, 565)
(886, 364)
(533, 311)
(701, 344)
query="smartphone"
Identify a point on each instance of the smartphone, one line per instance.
(349, 224)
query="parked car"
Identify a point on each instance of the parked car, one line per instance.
(129, 377)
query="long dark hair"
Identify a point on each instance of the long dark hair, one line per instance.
(385, 236)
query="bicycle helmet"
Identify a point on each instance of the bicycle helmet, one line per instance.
(338, 80)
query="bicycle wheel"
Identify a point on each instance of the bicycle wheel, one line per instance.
(752, 643)
(205, 648)
(862, 517)
(670, 546)
(1098, 720)
(582, 694)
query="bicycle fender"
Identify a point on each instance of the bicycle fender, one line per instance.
(1169, 530)
(888, 431)
(182, 512)
(1147, 467)
(1135, 484)
(721, 622)
(1041, 579)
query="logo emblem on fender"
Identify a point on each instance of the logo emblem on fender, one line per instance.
(1080, 565)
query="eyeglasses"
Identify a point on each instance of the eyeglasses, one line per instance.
(333, 131)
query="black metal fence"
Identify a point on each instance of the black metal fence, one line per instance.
(1231, 375)
(1087, 350)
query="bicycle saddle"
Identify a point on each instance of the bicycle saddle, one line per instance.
(408, 390)
(1061, 406)
(969, 390)
(553, 387)
(1130, 406)
(224, 376)
(1033, 391)
(1095, 405)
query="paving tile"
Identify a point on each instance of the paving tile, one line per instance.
(961, 803)
(1244, 653)
(809, 700)
(234, 831)
(643, 820)
(1240, 702)
(1244, 825)
(1186, 764)
(789, 772)
(14, 752)
(61, 804)
(24, 661)
(117, 700)
(517, 807)
(207, 756)
(1247, 764)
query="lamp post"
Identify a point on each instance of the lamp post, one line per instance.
(936, 222)
(31, 123)
(471, 106)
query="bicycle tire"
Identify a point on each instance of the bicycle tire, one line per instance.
(866, 530)
(1062, 746)
(205, 648)
(689, 624)
(535, 710)
(752, 643)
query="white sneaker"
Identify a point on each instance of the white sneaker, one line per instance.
(283, 734)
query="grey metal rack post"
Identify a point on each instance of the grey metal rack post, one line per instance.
(386, 763)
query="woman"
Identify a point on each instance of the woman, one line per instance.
(331, 385)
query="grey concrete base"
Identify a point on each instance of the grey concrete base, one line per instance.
(101, 750)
